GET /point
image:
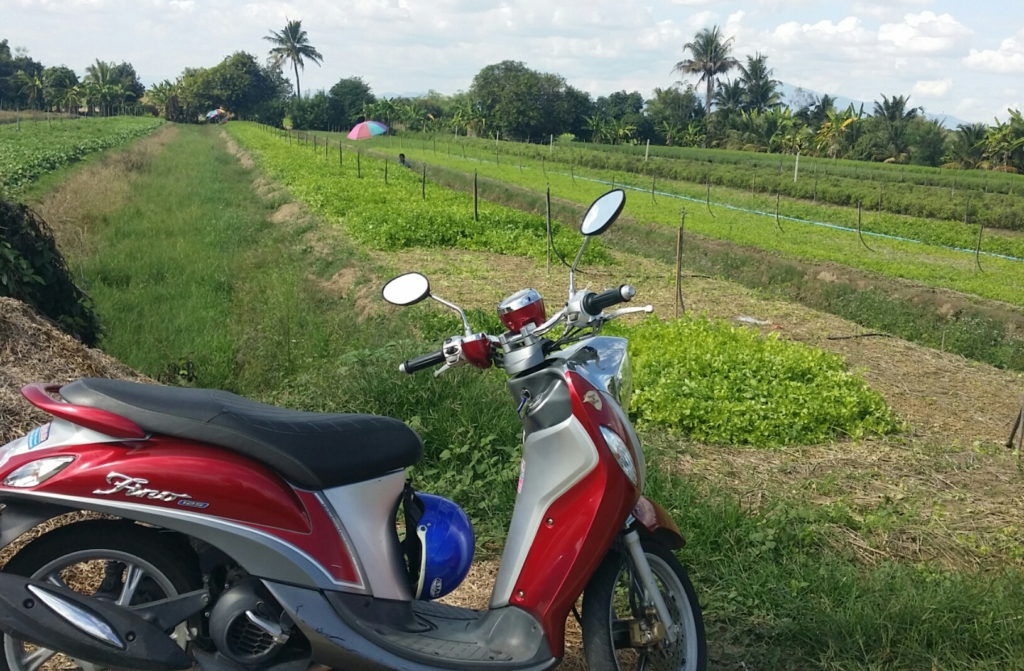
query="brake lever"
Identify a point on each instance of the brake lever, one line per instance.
(440, 371)
(628, 311)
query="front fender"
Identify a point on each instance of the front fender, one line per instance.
(19, 516)
(656, 521)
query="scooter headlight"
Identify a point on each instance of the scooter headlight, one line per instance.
(37, 472)
(621, 453)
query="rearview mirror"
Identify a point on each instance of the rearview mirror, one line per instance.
(603, 213)
(407, 289)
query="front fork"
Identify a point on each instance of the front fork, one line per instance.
(643, 570)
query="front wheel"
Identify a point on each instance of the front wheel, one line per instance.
(613, 604)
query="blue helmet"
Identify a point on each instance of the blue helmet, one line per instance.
(446, 545)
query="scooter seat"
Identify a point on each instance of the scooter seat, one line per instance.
(311, 450)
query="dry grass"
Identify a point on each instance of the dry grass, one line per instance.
(33, 350)
(81, 201)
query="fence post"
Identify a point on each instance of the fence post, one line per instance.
(476, 200)
(341, 158)
(547, 200)
(679, 265)
(359, 164)
(423, 183)
(708, 197)
(796, 168)
(647, 152)
(880, 187)
(385, 172)
(859, 234)
(551, 145)
(652, 189)
(977, 251)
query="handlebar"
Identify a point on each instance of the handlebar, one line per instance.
(594, 304)
(422, 362)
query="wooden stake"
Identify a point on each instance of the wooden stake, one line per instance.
(778, 224)
(341, 159)
(423, 184)
(977, 251)
(679, 304)
(859, 234)
(359, 165)
(547, 200)
(385, 172)
(476, 200)
(647, 152)
(708, 197)
(652, 187)
(796, 168)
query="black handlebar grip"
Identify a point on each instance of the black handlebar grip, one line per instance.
(422, 362)
(594, 304)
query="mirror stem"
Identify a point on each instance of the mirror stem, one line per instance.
(453, 306)
(572, 270)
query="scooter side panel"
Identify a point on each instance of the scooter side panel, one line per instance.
(177, 475)
(232, 503)
(578, 528)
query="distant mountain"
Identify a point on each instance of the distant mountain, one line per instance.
(792, 93)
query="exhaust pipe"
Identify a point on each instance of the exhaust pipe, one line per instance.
(87, 629)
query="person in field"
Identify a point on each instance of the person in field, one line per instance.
(402, 161)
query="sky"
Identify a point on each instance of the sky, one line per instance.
(965, 59)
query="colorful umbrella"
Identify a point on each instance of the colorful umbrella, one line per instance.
(367, 129)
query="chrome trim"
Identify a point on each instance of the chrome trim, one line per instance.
(260, 553)
(79, 618)
(642, 567)
(518, 300)
(340, 528)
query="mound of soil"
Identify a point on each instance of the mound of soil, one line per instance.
(33, 349)
(34, 271)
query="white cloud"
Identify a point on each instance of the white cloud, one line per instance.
(848, 31)
(1007, 59)
(935, 88)
(926, 32)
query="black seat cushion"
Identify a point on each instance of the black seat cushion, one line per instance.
(311, 450)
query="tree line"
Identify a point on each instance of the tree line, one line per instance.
(736, 104)
(26, 84)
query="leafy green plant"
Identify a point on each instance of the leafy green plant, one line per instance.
(40, 147)
(394, 214)
(721, 384)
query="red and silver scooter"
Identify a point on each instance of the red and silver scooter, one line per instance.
(231, 535)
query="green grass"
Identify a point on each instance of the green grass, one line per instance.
(192, 269)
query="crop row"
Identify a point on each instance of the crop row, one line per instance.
(994, 202)
(923, 263)
(401, 212)
(38, 147)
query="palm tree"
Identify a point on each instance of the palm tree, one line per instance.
(895, 117)
(33, 88)
(293, 45)
(729, 98)
(758, 86)
(670, 130)
(1004, 144)
(709, 58)
(968, 149)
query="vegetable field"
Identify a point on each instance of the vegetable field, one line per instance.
(777, 393)
(38, 147)
(927, 263)
(990, 198)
